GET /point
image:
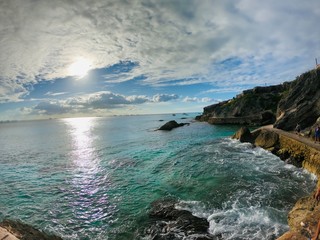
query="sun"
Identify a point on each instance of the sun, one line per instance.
(79, 68)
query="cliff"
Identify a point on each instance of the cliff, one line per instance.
(283, 105)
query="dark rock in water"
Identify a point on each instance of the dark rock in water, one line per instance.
(171, 223)
(243, 135)
(171, 125)
(26, 232)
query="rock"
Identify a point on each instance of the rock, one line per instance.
(292, 236)
(25, 232)
(304, 216)
(266, 139)
(167, 222)
(300, 104)
(243, 135)
(4, 234)
(171, 125)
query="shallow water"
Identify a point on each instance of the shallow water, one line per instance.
(94, 178)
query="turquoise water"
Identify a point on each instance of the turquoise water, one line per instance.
(94, 178)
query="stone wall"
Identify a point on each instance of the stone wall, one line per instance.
(310, 157)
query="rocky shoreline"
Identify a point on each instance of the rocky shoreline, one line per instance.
(301, 152)
(17, 230)
(284, 106)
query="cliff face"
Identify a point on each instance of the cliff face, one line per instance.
(255, 106)
(283, 105)
(301, 104)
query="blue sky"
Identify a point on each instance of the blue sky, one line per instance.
(147, 56)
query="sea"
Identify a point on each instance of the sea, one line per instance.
(95, 178)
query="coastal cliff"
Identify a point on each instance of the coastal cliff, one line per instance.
(302, 152)
(282, 105)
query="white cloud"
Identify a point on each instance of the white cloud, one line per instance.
(170, 40)
(164, 97)
(55, 94)
(93, 102)
(199, 100)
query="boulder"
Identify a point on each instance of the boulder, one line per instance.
(25, 232)
(167, 222)
(171, 125)
(243, 135)
(265, 139)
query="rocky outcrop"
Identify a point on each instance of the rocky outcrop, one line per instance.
(257, 106)
(301, 104)
(304, 216)
(283, 105)
(168, 223)
(171, 125)
(243, 135)
(25, 232)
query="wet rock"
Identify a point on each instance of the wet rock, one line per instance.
(26, 232)
(171, 125)
(168, 223)
(243, 135)
(266, 139)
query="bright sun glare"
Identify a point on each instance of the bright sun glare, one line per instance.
(79, 68)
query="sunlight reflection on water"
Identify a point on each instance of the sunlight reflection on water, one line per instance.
(90, 201)
(83, 153)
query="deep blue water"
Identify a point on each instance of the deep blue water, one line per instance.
(94, 178)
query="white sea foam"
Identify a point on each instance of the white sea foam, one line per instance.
(197, 208)
(244, 223)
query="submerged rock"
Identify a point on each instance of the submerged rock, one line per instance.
(171, 125)
(167, 222)
(25, 232)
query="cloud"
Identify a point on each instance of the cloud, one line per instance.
(51, 108)
(164, 97)
(55, 94)
(199, 100)
(102, 100)
(95, 101)
(170, 41)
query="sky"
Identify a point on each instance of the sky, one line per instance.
(71, 58)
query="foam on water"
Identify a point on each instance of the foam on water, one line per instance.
(256, 208)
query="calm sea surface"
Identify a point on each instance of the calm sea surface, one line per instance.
(94, 178)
